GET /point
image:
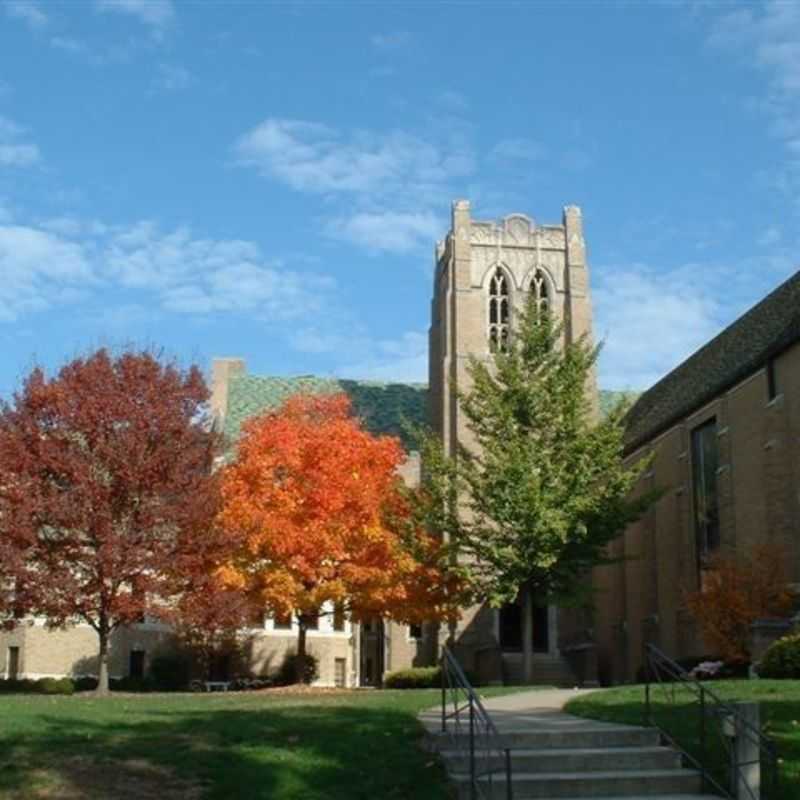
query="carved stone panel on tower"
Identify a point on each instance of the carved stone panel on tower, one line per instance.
(518, 230)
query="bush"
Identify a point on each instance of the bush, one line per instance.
(287, 674)
(40, 686)
(169, 673)
(54, 686)
(414, 678)
(129, 684)
(782, 659)
(19, 686)
(85, 684)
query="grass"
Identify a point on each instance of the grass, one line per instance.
(780, 714)
(353, 745)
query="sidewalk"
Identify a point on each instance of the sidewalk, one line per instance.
(535, 710)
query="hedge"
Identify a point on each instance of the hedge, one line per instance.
(782, 659)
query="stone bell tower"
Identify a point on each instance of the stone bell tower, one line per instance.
(484, 272)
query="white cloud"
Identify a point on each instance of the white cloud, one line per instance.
(13, 152)
(650, 322)
(156, 14)
(64, 260)
(28, 12)
(173, 77)
(390, 183)
(768, 37)
(38, 269)
(401, 360)
(315, 158)
(389, 231)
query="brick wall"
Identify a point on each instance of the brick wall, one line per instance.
(758, 483)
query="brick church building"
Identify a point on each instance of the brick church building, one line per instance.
(724, 426)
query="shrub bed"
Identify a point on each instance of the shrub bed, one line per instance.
(414, 678)
(782, 659)
(40, 686)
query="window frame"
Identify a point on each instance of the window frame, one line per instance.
(705, 490)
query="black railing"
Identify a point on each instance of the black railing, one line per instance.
(476, 740)
(734, 757)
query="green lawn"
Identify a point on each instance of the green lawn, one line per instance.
(348, 746)
(780, 710)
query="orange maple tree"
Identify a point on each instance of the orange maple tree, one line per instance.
(735, 593)
(317, 511)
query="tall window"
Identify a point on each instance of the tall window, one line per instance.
(499, 311)
(705, 460)
(538, 290)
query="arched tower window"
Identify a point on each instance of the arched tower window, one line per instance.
(499, 310)
(539, 292)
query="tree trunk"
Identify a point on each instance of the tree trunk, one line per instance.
(300, 661)
(102, 672)
(527, 634)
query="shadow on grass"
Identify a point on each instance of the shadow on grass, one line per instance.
(294, 753)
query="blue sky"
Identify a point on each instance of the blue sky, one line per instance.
(268, 180)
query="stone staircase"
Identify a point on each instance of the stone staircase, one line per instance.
(547, 671)
(555, 755)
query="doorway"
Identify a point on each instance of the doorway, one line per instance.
(12, 668)
(510, 628)
(372, 652)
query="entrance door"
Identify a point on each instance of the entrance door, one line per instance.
(372, 652)
(13, 663)
(136, 664)
(511, 628)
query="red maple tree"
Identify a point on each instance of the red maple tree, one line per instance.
(106, 490)
(315, 505)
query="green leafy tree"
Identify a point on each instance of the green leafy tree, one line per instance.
(532, 501)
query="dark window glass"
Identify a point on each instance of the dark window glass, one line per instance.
(338, 618)
(136, 664)
(13, 663)
(539, 291)
(415, 631)
(772, 386)
(541, 630)
(705, 461)
(499, 311)
(282, 622)
(339, 672)
(511, 627)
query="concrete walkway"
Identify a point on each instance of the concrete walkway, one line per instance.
(537, 709)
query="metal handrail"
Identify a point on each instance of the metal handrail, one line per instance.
(483, 744)
(712, 708)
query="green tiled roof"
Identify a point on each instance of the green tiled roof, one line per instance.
(743, 347)
(382, 407)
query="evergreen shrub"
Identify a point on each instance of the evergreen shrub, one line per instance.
(782, 659)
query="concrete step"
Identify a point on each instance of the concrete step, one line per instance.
(550, 785)
(547, 671)
(573, 759)
(561, 739)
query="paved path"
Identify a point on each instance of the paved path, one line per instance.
(537, 709)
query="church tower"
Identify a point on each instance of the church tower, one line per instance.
(484, 271)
